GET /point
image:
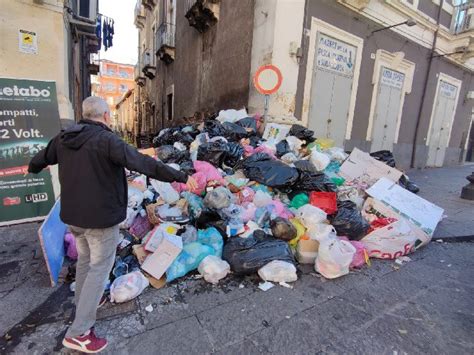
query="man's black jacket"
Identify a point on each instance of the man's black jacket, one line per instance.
(91, 162)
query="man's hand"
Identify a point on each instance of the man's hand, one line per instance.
(191, 184)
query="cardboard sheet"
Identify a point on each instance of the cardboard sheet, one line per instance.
(417, 210)
(362, 167)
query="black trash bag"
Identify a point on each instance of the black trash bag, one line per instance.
(210, 218)
(125, 247)
(252, 159)
(191, 130)
(234, 132)
(248, 255)
(385, 156)
(262, 168)
(164, 152)
(233, 154)
(405, 182)
(302, 133)
(282, 147)
(254, 141)
(214, 128)
(179, 156)
(187, 167)
(249, 123)
(305, 165)
(348, 221)
(213, 153)
(309, 181)
(283, 229)
(169, 136)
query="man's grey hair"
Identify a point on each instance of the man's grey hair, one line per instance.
(93, 108)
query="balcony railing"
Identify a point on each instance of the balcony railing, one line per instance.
(165, 35)
(463, 17)
(138, 75)
(147, 60)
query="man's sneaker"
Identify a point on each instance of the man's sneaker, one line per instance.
(87, 343)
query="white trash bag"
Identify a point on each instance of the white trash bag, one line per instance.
(320, 231)
(128, 286)
(334, 257)
(232, 115)
(166, 191)
(319, 160)
(278, 271)
(294, 143)
(131, 215)
(213, 269)
(310, 216)
(337, 154)
(397, 239)
(262, 199)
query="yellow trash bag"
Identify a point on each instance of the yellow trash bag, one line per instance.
(325, 143)
(300, 231)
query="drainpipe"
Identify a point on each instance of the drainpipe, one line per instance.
(425, 86)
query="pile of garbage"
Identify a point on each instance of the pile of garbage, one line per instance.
(264, 202)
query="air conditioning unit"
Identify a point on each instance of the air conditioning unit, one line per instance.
(86, 9)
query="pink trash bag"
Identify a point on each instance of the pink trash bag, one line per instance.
(209, 171)
(361, 255)
(281, 210)
(201, 180)
(71, 250)
(246, 194)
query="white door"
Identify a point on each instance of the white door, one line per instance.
(387, 109)
(331, 88)
(443, 114)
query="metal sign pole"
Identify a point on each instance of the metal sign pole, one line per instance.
(265, 107)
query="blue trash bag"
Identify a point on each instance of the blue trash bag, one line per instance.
(209, 242)
(195, 204)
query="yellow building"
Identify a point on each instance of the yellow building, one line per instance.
(46, 40)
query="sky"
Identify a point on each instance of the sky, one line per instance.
(125, 41)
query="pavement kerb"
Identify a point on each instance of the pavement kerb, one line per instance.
(455, 239)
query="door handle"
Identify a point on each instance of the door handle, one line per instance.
(329, 120)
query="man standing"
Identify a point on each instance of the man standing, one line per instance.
(91, 162)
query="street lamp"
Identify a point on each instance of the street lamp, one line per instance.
(410, 23)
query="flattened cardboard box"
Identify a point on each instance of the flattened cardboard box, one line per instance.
(417, 210)
(168, 249)
(362, 167)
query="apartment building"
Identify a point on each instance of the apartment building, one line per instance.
(63, 35)
(113, 81)
(372, 74)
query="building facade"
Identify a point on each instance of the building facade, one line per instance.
(65, 32)
(372, 74)
(113, 81)
(125, 117)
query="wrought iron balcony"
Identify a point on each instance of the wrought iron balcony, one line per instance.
(148, 64)
(165, 42)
